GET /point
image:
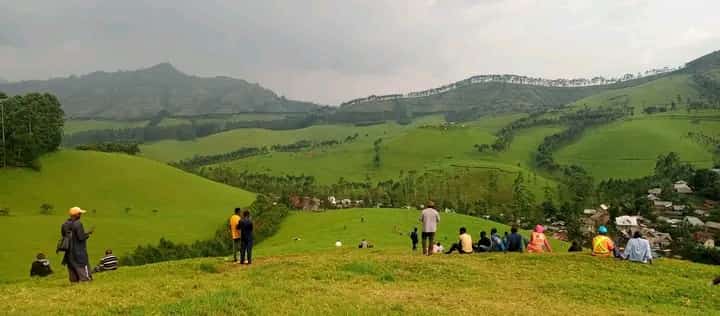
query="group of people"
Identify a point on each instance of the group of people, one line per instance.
(241, 231)
(637, 249)
(73, 244)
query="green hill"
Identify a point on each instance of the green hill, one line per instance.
(120, 192)
(145, 92)
(311, 277)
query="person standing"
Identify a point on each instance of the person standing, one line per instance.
(40, 267)
(430, 219)
(538, 241)
(602, 245)
(76, 257)
(235, 233)
(246, 238)
(414, 239)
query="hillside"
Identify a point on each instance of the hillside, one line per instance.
(120, 192)
(311, 277)
(143, 93)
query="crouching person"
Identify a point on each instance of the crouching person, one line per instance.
(464, 244)
(108, 263)
(40, 267)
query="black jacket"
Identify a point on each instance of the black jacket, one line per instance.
(40, 268)
(246, 229)
(77, 255)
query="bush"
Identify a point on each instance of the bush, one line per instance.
(4, 211)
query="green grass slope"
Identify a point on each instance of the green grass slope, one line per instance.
(74, 126)
(629, 148)
(188, 207)
(312, 277)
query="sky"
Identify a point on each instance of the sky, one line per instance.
(329, 51)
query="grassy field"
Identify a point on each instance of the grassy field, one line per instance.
(629, 149)
(312, 277)
(74, 126)
(188, 207)
(661, 92)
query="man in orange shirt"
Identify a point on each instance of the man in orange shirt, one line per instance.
(602, 245)
(235, 233)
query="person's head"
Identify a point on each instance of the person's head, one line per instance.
(493, 231)
(76, 212)
(539, 229)
(637, 234)
(246, 214)
(483, 234)
(430, 204)
(438, 244)
(40, 256)
(238, 211)
(415, 229)
(513, 230)
(108, 251)
(463, 230)
(602, 230)
(506, 233)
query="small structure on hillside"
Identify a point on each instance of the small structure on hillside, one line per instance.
(693, 221)
(702, 213)
(712, 226)
(655, 191)
(627, 223)
(662, 205)
(679, 208)
(682, 187)
(716, 170)
(589, 211)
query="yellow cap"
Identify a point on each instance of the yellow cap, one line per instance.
(76, 211)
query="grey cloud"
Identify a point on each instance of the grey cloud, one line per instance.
(329, 51)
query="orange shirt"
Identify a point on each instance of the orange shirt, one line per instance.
(537, 242)
(602, 246)
(234, 220)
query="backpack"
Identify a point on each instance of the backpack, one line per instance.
(64, 243)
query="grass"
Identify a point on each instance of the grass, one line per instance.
(188, 207)
(74, 126)
(312, 277)
(629, 149)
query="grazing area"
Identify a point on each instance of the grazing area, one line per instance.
(312, 276)
(74, 126)
(629, 149)
(131, 201)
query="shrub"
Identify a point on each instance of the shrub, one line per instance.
(46, 209)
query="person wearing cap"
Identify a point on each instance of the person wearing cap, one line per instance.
(76, 258)
(602, 245)
(40, 267)
(538, 242)
(429, 219)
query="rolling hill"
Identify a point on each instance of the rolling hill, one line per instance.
(309, 276)
(131, 201)
(143, 93)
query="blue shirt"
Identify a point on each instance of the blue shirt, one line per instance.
(638, 249)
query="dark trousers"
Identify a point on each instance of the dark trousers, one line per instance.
(246, 250)
(236, 248)
(428, 239)
(79, 274)
(414, 243)
(456, 246)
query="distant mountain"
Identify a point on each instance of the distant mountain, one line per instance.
(3, 81)
(145, 92)
(505, 93)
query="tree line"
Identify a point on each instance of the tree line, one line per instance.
(30, 125)
(127, 148)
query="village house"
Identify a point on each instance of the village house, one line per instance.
(702, 213)
(662, 205)
(655, 191)
(712, 226)
(627, 223)
(682, 187)
(693, 221)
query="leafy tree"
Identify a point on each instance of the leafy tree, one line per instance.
(522, 198)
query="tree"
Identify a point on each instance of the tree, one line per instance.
(522, 198)
(46, 209)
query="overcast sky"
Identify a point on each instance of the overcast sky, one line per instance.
(329, 51)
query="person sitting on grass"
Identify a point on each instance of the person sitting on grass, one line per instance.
(538, 242)
(464, 244)
(496, 243)
(484, 243)
(575, 247)
(638, 249)
(108, 263)
(602, 245)
(40, 267)
(438, 248)
(365, 244)
(515, 242)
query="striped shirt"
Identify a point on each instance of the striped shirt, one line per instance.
(109, 262)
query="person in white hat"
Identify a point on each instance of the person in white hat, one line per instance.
(76, 257)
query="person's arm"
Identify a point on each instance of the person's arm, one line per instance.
(547, 245)
(79, 231)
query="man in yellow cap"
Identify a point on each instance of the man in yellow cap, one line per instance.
(76, 257)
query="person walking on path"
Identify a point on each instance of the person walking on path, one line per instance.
(430, 219)
(414, 239)
(602, 245)
(76, 257)
(235, 233)
(246, 238)
(538, 241)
